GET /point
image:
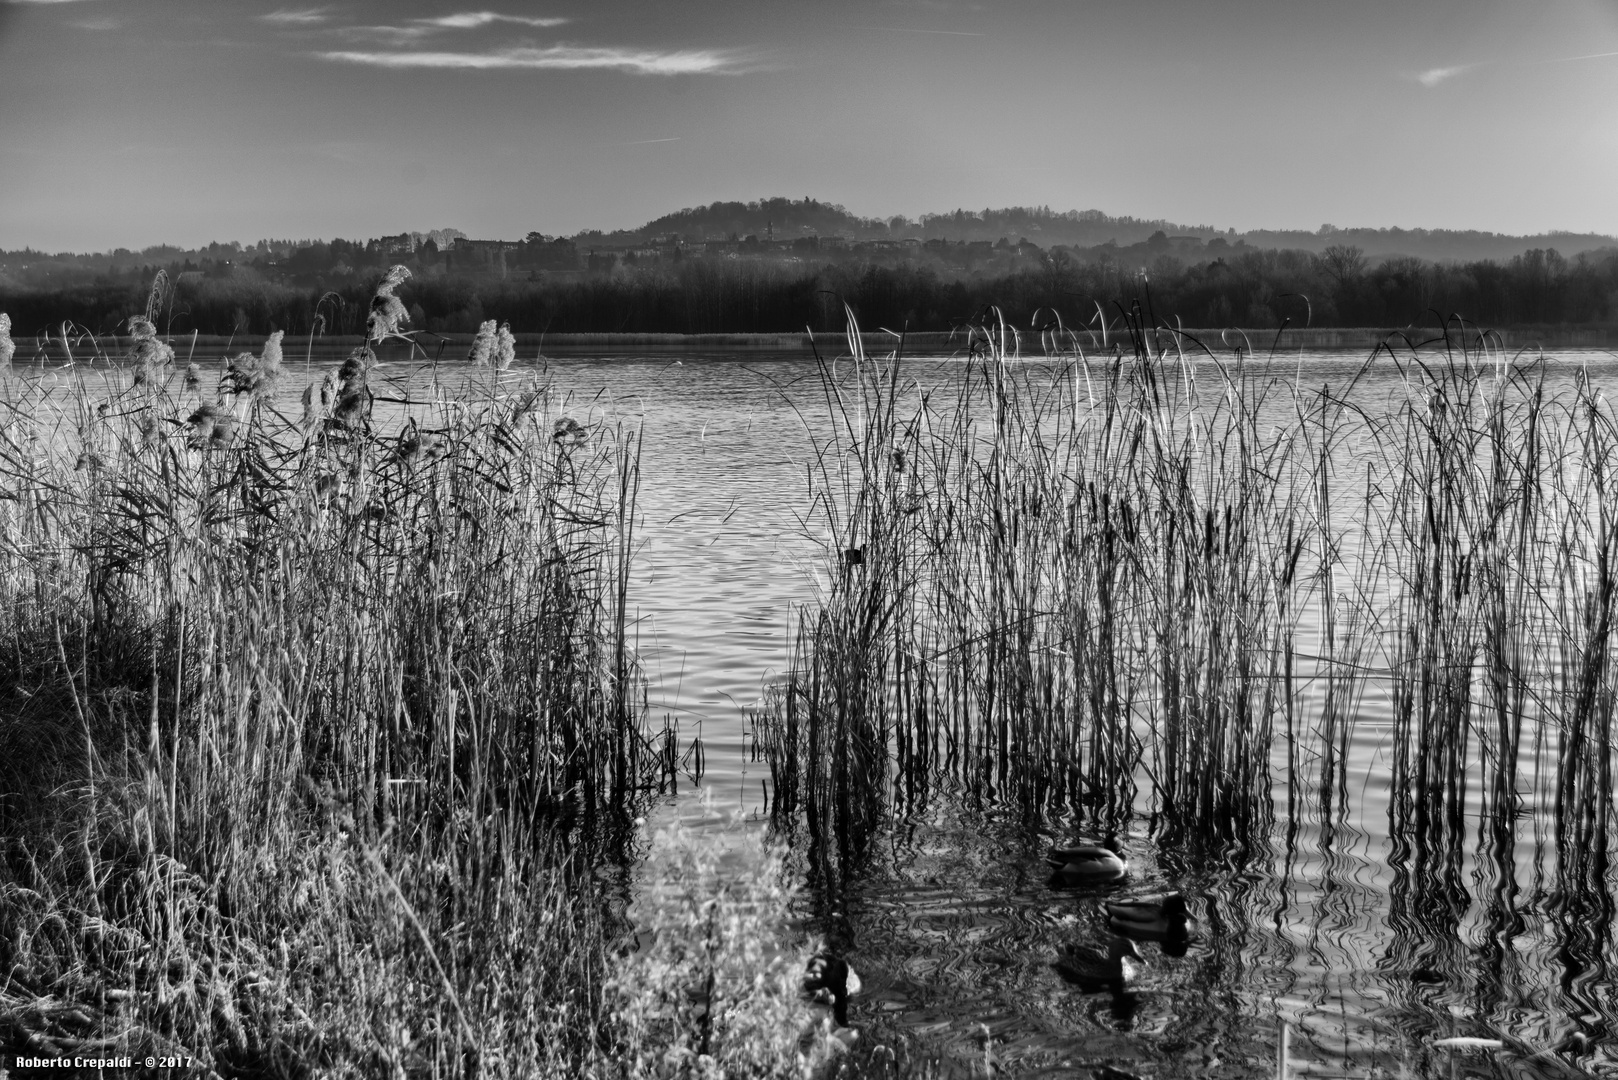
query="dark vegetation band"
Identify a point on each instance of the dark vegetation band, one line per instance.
(1249, 288)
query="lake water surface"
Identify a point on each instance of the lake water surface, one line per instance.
(955, 923)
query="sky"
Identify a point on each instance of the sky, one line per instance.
(126, 123)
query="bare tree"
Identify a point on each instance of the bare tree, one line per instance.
(1344, 264)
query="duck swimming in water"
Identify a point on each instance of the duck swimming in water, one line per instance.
(1084, 864)
(1151, 918)
(1092, 970)
(828, 980)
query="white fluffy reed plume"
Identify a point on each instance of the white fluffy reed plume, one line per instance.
(388, 312)
(483, 345)
(493, 346)
(505, 347)
(7, 347)
(255, 376)
(149, 355)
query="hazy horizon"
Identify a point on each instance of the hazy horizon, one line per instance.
(131, 123)
(247, 243)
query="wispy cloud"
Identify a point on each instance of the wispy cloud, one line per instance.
(419, 29)
(297, 17)
(1586, 56)
(648, 142)
(471, 20)
(1434, 76)
(554, 58)
(392, 35)
(41, 1)
(98, 24)
(914, 30)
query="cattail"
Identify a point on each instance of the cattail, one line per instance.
(387, 311)
(483, 344)
(7, 347)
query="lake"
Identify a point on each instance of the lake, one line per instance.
(1332, 925)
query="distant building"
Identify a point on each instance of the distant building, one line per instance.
(403, 244)
(464, 246)
(480, 254)
(557, 254)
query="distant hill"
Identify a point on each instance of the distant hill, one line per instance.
(788, 219)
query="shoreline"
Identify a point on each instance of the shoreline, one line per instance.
(1028, 343)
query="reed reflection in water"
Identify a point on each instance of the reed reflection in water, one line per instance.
(1336, 661)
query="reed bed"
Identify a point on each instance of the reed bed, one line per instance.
(323, 744)
(1141, 577)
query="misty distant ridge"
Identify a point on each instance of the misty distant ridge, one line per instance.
(784, 219)
(791, 218)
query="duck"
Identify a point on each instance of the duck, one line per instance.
(1151, 918)
(1092, 970)
(1088, 863)
(829, 980)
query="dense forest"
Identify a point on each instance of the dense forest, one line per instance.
(1220, 288)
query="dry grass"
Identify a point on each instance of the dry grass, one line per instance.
(321, 743)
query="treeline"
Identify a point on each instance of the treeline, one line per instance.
(1251, 289)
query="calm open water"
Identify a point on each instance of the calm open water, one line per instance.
(955, 924)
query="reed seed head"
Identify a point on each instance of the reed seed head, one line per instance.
(483, 345)
(416, 447)
(353, 408)
(388, 312)
(505, 347)
(569, 432)
(149, 355)
(193, 376)
(257, 376)
(211, 427)
(8, 348)
(356, 370)
(270, 356)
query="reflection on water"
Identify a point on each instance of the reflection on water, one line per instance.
(1378, 912)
